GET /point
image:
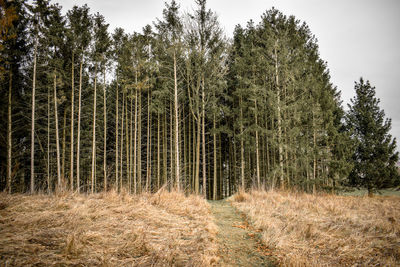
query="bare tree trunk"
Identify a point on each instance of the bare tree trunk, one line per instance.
(127, 143)
(116, 137)
(93, 174)
(135, 143)
(9, 135)
(71, 172)
(105, 131)
(314, 156)
(165, 148)
(158, 150)
(203, 108)
(215, 159)
(241, 145)
(171, 145)
(33, 119)
(257, 152)
(177, 166)
(197, 175)
(279, 120)
(131, 146)
(122, 138)
(63, 144)
(139, 170)
(148, 145)
(48, 140)
(78, 147)
(57, 136)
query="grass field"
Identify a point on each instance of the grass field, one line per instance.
(325, 230)
(164, 229)
(364, 192)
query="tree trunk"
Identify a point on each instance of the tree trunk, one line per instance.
(203, 107)
(215, 159)
(165, 149)
(93, 174)
(48, 140)
(148, 150)
(63, 144)
(158, 150)
(135, 143)
(171, 144)
(71, 171)
(127, 144)
(177, 166)
(122, 138)
(257, 152)
(197, 173)
(242, 166)
(9, 135)
(139, 148)
(105, 132)
(57, 136)
(314, 155)
(116, 137)
(279, 120)
(131, 145)
(33, 119)
(78, 148)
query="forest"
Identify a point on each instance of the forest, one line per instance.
(179, 106)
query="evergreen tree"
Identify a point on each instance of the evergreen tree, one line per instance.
(375, 156)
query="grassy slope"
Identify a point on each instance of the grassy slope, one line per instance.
(106, 229)
(308, 230)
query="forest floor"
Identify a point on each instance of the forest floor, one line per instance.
(238, 243)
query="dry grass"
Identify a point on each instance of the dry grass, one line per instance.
(325, 230)
(108, 229)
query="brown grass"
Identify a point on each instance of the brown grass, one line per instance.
(325, 230)
(107, 229)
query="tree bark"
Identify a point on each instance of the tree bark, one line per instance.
(215, 160)
(203, 107)
(135, 143)
(63, 144)
(48, 140)
(78, 147)
(122, 138)
(257, 152)
(71, 171)
(9, 134)
(280, 148)
(177, 165)
(105, 131)
(242, 163)
(116, 137)
(33, 119)
(57, 135)
(93, 173)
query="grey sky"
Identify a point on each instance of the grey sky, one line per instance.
(356, 38)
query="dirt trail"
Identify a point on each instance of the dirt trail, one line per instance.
(237, 247)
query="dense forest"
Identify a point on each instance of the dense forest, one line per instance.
(179, 105)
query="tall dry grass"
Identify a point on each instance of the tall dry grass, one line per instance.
(107, 229)
(325, 230)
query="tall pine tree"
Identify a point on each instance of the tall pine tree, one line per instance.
(375, 155)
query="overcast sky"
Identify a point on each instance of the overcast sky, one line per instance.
(357, 38)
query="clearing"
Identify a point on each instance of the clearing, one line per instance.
(324, 229)
(237, 242)
(106, 229)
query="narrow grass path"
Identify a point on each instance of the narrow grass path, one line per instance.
(237, 244)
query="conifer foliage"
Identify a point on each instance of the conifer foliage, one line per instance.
(375, 156)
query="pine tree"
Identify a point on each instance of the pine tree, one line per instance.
(375, 156)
